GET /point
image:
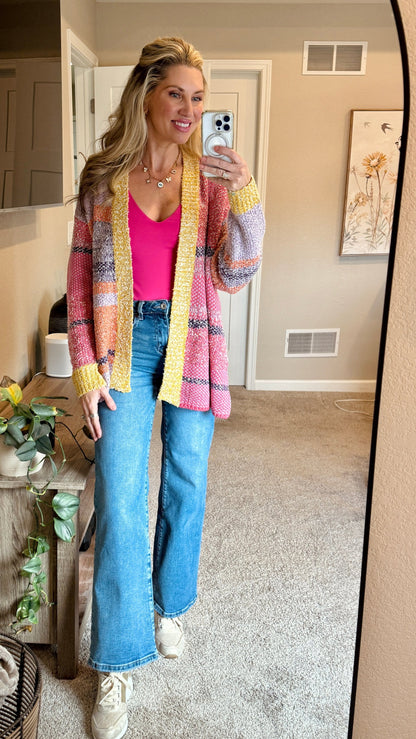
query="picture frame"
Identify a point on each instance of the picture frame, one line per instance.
(371, 182)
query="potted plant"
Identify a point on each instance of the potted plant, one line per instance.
(29, 431)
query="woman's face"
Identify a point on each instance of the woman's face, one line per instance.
(175, 107)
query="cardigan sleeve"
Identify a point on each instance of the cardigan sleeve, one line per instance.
(237, 255)
(81, 341)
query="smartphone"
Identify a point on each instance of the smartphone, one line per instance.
(217, 130)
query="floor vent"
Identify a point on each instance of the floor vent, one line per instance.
(321, 342)
(334, 57)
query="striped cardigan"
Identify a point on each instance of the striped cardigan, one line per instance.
(219, 248)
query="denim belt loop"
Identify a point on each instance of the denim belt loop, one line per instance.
(138, 309)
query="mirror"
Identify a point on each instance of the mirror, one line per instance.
(308, 150)
(30, 104)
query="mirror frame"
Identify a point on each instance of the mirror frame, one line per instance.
(382, 351)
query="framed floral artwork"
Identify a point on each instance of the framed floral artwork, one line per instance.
(373, 162)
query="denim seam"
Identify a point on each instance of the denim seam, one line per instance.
(162, 492)
(107, 667)
(174, 614)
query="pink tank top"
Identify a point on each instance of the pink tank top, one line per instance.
(154, 246)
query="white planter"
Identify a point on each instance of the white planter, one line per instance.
(11, 466)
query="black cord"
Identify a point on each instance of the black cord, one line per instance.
(61, 423)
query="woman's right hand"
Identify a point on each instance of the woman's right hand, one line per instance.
(89, 403)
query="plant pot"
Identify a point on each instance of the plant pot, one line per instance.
(11, 466)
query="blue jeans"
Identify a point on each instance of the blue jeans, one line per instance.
(125, 591)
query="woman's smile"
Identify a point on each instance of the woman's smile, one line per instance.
(176, 105)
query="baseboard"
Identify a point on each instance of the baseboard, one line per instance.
(323, 386)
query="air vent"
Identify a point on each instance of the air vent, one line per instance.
(334, 57)
(321, 342)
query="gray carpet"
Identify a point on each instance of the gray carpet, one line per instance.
(271, 637)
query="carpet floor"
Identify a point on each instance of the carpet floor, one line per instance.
(271, 638)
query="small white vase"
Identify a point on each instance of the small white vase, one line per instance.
(12, 466)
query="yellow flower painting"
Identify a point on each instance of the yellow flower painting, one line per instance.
(373, 162)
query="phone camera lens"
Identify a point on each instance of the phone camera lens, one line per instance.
(226, 127)
(218, 123)
(226, 119)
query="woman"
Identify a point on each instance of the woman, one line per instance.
(153, 241)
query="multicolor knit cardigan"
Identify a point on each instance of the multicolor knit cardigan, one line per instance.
(219, 248)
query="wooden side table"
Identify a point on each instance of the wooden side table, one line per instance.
(58, 624)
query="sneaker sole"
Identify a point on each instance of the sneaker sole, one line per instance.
(171, 652)
(118, 736)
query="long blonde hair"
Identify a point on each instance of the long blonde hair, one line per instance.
(123, 143)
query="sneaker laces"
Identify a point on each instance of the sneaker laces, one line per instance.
(168, 623)
(111, 687)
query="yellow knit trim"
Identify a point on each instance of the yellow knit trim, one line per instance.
(184, 272)
(87, 378)
(120, 376)
(243, 200)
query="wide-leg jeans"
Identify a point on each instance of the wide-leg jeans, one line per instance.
(126, 590)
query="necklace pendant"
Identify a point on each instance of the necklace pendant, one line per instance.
(173, 171)
(168, 179)
(145, 169)
(148, 181)
(160, 184)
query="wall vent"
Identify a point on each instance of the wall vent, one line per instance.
(334, 57)
(321, 342)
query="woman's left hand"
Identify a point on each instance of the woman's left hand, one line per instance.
(233, 175)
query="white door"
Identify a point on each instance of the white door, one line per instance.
(83, 118)
(38, 149)
(7, 135)
(239, 91)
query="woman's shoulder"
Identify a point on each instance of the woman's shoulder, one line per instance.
(99, 196)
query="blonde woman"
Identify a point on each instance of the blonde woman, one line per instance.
(154, 239)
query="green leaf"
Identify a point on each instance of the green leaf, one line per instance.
(39, 430)
(3, 424)
(26, 451)
(23, 410)
(32, 567)
(41, 544)
(15, 434)
(65, 530)
(34, 427)
(65, 505)
(22, 609)
(39, 578)
(44, 445)
(54, 468)
(42, 410)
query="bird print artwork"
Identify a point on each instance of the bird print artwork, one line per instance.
(371, 181)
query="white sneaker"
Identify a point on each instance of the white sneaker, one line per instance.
(170, 639)
(109, 717)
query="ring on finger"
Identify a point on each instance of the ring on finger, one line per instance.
(224, 175)
(93, 415)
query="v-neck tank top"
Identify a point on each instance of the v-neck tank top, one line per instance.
(154, 246)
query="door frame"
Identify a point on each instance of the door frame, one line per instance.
(78, 53)
(263, 69)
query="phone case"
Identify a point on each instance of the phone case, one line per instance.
(217, 130)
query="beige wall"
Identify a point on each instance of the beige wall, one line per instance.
(386, 705)
(33, 244)
(305, 284)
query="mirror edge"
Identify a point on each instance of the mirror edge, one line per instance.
(382, 350)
